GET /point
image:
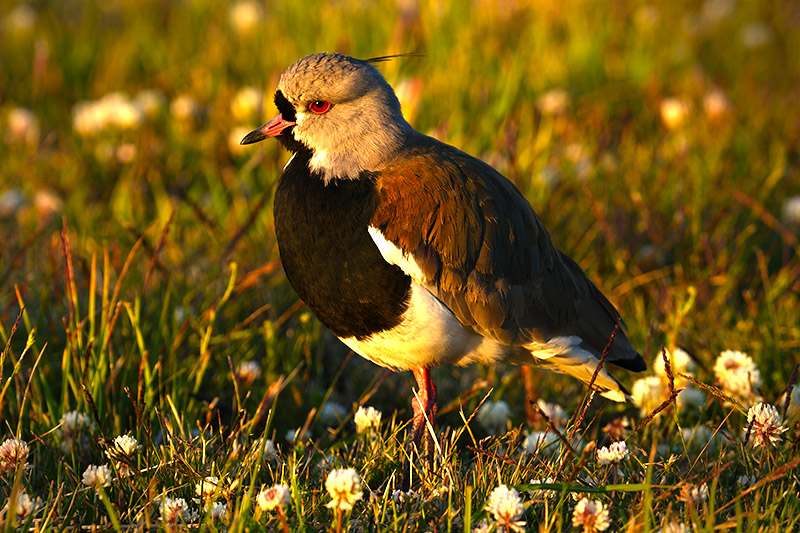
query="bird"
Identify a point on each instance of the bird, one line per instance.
(416, 254)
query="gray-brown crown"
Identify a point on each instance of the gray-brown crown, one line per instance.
(364, 127)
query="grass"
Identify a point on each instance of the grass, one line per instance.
(139, 268)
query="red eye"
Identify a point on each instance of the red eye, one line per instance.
(319, 106)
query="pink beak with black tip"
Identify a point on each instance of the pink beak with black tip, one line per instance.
(273, 128)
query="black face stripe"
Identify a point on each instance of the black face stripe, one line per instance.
(285, 107)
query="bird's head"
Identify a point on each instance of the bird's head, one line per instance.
(341, 110)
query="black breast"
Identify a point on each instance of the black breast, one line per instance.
(328, 255)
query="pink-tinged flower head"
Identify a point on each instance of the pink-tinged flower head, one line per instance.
(591, 515)
(344, 486)
(13, 455)
(505, 506)
(765, 424)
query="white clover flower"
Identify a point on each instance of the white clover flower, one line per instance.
(294, 434)
(716, 105)
(539, 440)
(698, 436)
(97, 476)
(613, 454)
(679, 361)
(344, 486)
(766, 424)
(185, 109)
(122, 451)
(591, 515)
(207, 488)
(331, 413)
(755, 35)
(673, 112)
(493, 416)
(673, 527)
(746, 481)
(557, 415)
(23, 127)
(691, 397)
(790, 212)
(151, 103)
(367, 418)
(273, 497)
(506, 508)
(695, 494)
(248, 371)
(737, 375)
(175, 512)
(218, 511)
(553, 102)
(245, 16)
(13, 455)
(647, 393)
(25, 506)
(246, 104)
(120, 112)
(483, 527)
(74, 431)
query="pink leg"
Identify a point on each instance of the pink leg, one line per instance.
(420, 438)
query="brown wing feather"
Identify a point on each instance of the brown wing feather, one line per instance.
(486, 255)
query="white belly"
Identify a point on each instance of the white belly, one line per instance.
(428, 335)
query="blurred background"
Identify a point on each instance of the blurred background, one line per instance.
(659, 143)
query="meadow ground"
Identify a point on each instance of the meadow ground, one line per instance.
(147, 328)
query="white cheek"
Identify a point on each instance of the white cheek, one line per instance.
(299, 117)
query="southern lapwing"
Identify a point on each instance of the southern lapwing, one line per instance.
(416, 254)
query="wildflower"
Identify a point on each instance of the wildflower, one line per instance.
(275, 496)
(248, 371)
(23, 127)
(647, 393)
(539, 440)
(400, 496)
(756, 35)
(746, 481)
(618, 428)
(737, 374)
(493, 415)
(673, 112)
(614, 454)
(246, 104)
(691, 397)
(151, 103)
(483, 527)
(295, 434)
(790, 213)
(716, 105)
(367, 418)
(13, 455)
(126, 153)
(674, 527)
(506, 507)
(74, 430)
(591, 514)
(185, 109)
(699, 436)
(97, 476)
(175, 512)
(765, 424)
(553, 102)
(245, 16)
(218, 511)
(122, 450)
(25, 506)
(344, 486)
(557, 415)
(331, 413)
(679, 362)
(207, 488)
(695, 494)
